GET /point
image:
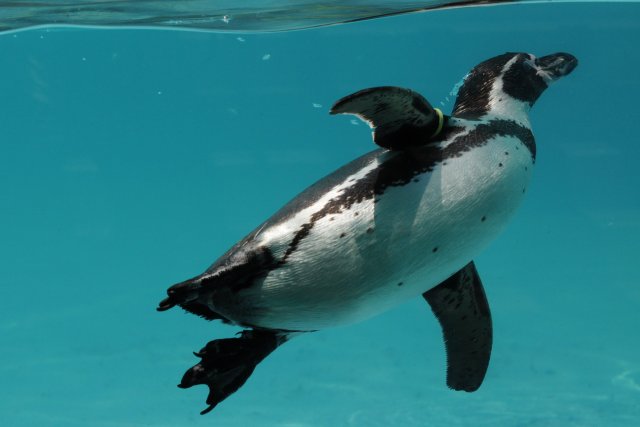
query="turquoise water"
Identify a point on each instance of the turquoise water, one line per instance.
(132, 159)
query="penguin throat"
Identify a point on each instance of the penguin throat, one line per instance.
(505, 107)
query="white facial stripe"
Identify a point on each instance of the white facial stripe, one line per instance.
(531, 62)
(503, 105)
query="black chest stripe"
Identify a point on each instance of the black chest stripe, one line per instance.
(403, 166)
(482, 133)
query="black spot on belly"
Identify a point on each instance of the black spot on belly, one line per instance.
(506, 153)
(500, 164)
(342, 235)
(483, 219)
(400, 283)
(369, 230)
(434, 250)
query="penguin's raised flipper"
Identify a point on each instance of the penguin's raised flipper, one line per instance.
(400, 118)
(227, 363)
(461, 307)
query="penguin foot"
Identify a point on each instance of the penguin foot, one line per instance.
(227, 363)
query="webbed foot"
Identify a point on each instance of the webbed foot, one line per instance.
(227, 363)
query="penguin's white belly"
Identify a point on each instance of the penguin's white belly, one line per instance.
(376, 254)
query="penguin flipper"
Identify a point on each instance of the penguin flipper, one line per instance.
(227, 363)
(400, 118)
(461, 306)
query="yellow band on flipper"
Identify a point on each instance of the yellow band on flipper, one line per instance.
(440, 122)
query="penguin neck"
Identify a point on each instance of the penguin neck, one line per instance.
(505, 107)
(482, 97)
(499, 106)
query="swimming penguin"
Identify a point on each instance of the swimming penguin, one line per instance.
(402, 221)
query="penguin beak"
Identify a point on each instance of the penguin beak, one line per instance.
(557, 65)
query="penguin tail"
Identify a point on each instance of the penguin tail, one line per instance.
(193, 293)
(187, 295)
(226, 364)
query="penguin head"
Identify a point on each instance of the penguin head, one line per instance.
(551, 67)
(510, 83)
(525, 77)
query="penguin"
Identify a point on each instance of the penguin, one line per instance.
(402, 221)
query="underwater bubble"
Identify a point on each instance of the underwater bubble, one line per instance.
(453, 93)
(457, 86)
